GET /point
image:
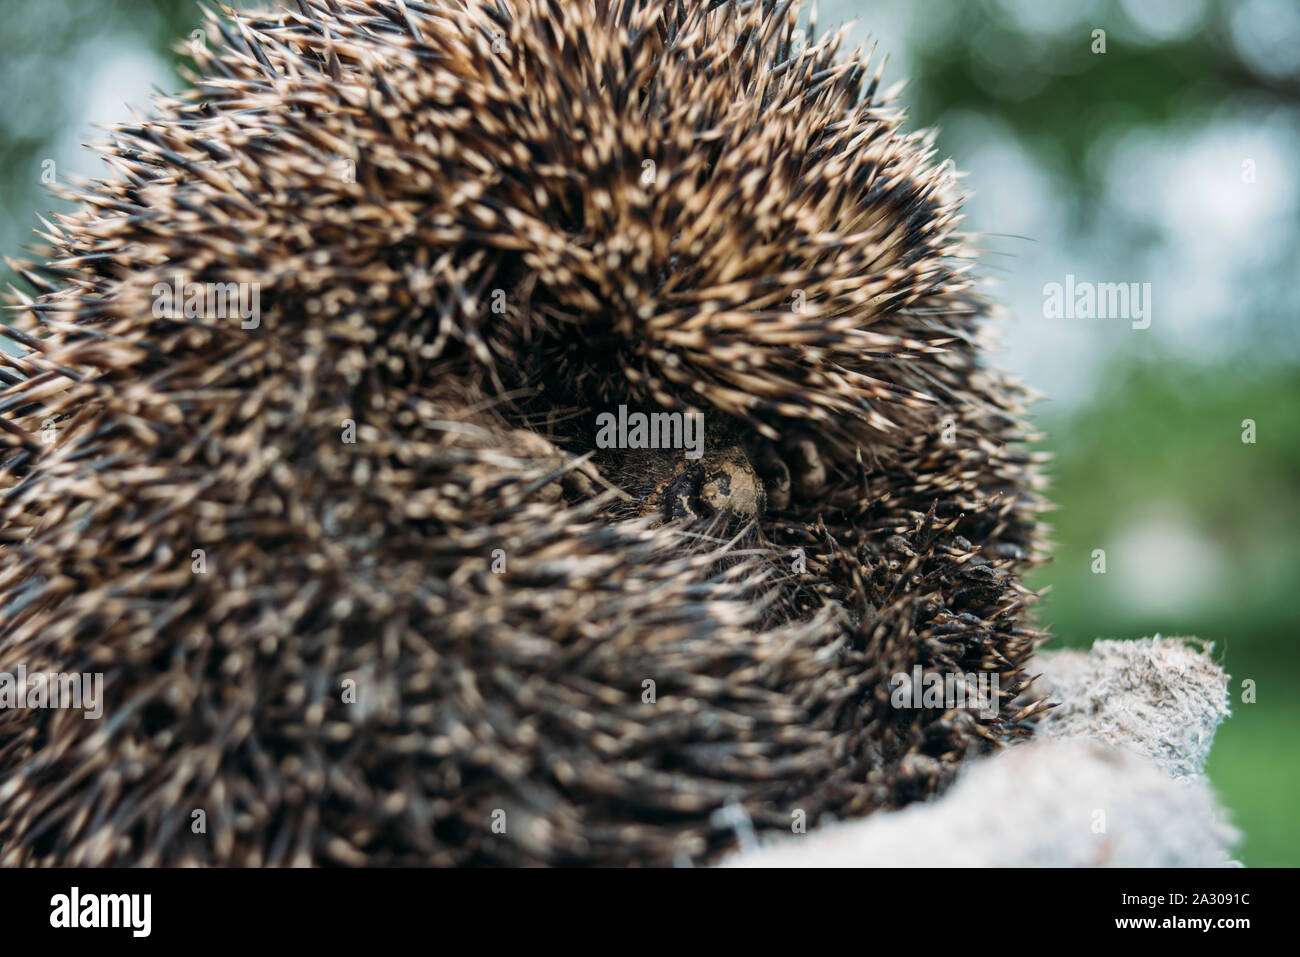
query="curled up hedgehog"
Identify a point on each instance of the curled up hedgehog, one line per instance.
(374, 548)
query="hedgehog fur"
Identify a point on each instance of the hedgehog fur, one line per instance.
(475, 226)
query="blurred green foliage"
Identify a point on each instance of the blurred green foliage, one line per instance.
(1166, 436)
(1059, 97)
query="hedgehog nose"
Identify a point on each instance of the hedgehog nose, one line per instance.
(722, 481)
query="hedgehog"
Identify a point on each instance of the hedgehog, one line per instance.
(362, 586)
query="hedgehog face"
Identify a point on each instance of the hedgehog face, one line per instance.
(363, 583)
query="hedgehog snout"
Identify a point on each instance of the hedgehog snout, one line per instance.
(721, 481)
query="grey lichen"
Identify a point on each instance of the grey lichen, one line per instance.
(1113, 780)
(1160, 697)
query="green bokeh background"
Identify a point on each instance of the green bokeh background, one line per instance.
(1149, 462)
